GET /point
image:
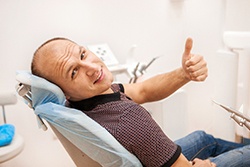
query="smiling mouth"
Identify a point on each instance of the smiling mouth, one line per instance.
(99, 77)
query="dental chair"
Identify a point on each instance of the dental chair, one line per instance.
(87, 142)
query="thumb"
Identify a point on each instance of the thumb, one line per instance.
(188, 48)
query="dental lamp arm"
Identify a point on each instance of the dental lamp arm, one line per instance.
(140, 69)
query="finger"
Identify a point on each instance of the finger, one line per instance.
(188, 48)
(197, 67)
(196, 160)
(199, 75)
(195, 59)
(211, 163)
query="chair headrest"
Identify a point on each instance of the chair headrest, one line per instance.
(42, 91)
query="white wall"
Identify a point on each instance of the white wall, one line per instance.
(156, 27)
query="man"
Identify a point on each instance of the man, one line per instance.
(87, 84)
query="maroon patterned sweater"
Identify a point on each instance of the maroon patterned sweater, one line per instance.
(132, 126)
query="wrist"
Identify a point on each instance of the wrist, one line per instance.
(184, 76)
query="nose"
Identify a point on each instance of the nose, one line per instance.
(90, 68)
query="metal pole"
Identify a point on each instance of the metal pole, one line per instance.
(4, 116)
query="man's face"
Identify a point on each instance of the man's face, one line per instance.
(76, 70)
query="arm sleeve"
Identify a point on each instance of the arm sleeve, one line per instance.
(121, 88)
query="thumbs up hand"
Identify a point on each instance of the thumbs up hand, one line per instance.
(194, 66)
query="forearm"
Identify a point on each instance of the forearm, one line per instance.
(163, 85)
(157, 87)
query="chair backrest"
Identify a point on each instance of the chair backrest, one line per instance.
(87, 142)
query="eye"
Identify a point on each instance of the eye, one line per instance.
(82, 55)
(74, 73)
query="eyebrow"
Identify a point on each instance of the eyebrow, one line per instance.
(80, 50)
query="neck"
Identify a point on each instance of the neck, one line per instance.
(108, 91)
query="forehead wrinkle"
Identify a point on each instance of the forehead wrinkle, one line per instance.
(64, 60)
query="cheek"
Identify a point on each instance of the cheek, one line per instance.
(74, 93)
(108, 74)
(69, 88)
